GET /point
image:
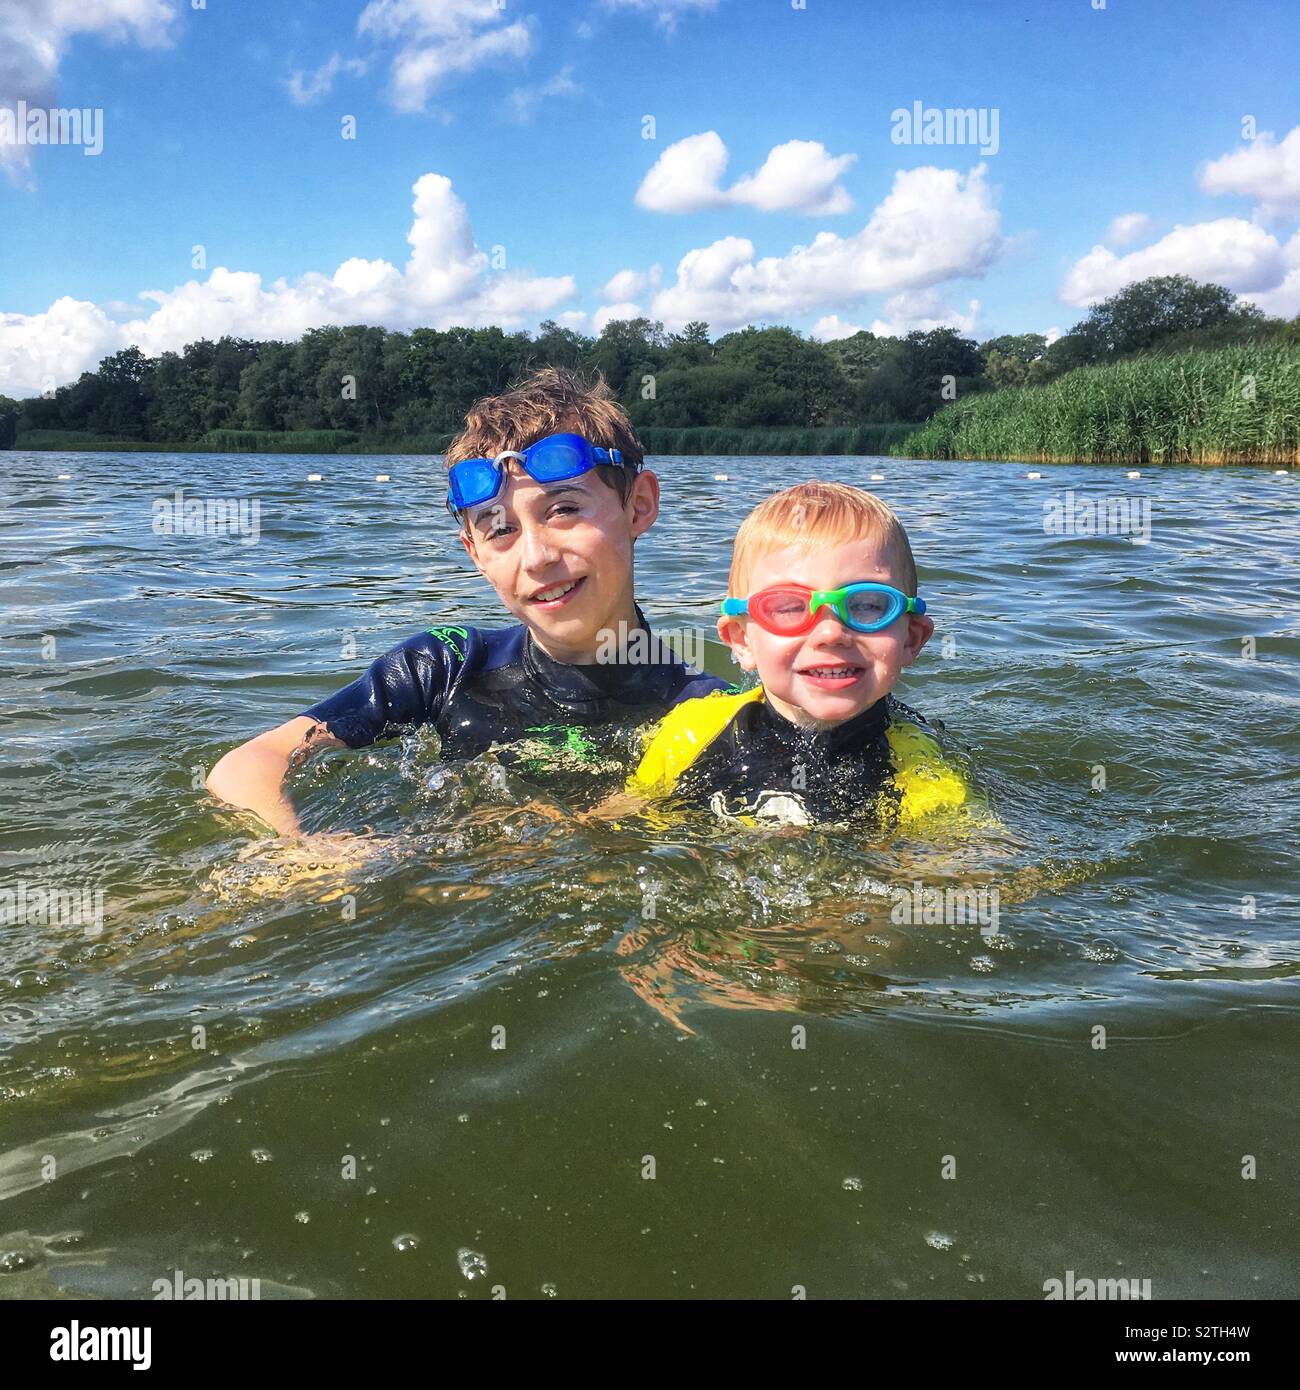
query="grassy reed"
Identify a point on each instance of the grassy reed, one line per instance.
(1228, 405)
(280, 441)
(788, 440)
(793, 440)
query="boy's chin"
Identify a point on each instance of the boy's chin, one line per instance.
(833, 706)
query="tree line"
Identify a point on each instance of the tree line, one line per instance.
(392, 386)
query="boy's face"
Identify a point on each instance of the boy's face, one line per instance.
(830, 673)
(559, 555)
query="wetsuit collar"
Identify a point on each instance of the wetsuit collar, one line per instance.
(577, 686)
(846, 738)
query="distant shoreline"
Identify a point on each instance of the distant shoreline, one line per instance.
(1289, 458)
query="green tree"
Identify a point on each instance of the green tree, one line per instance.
(800, 380)
(1024, 347)
(1148, 312)
(624, 344)
(8, 422)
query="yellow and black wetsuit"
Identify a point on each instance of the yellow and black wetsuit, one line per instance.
(735, 751)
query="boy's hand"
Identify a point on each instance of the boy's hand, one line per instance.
(268, 868)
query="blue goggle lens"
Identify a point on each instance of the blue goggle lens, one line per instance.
(475, 481)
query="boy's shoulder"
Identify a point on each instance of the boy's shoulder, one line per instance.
(685, 731)
(465, 645)
(411, 682)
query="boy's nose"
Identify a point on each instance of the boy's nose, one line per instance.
(538, 550)
(828, 629)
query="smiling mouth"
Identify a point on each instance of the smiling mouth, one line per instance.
(557, 593)
(828, 673)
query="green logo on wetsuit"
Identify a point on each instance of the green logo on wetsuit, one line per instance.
(446, 636)
(556, 747)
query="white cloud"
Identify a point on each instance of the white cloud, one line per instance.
(572, 318)
(1263, 170)
(1052, 335)
(624, 285)
(446, 281)
(828, 329)
(934, 225)
(627, 284)
(799, 176)
(305, 88)
(1283, 300)
(526, 100)
(41, 351)
(921, 311)
(436, 39)
(1229, 251)
(666, 12)
(1126, 228)
(34, 36)
(608, 313)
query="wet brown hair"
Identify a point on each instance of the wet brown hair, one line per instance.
(552, 401)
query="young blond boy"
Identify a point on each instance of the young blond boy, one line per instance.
(823, 606)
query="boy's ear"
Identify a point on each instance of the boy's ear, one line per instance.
(919, 631)
(643, 502)
(467, 540)
(732, 632)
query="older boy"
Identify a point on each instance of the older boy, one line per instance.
(547, 484)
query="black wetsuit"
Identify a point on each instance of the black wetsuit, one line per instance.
(763, 765)
(479, 688)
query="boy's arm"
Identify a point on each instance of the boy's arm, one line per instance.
(252, 775)
(407, 685)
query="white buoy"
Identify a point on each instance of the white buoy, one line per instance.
(877, 477)
(382, 478)
(1277, 473)
(1133, 473)
(313, 477)
(1033, 475)
(721, 478)
(65, 477)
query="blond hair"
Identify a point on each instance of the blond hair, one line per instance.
(552, 401)
(818, 514)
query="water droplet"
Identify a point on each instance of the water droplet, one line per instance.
(472, 1264)
(406, 1242)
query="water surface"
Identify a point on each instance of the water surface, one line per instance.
(828, 1098)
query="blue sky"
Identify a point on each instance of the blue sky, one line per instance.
(222, 128)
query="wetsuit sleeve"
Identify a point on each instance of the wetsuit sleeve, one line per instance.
(406, 686)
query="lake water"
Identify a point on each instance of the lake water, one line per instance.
(253, 1073)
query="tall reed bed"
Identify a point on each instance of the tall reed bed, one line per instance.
(784, 440)
(1228, 405)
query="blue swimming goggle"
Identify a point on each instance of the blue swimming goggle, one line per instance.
(551, 460)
